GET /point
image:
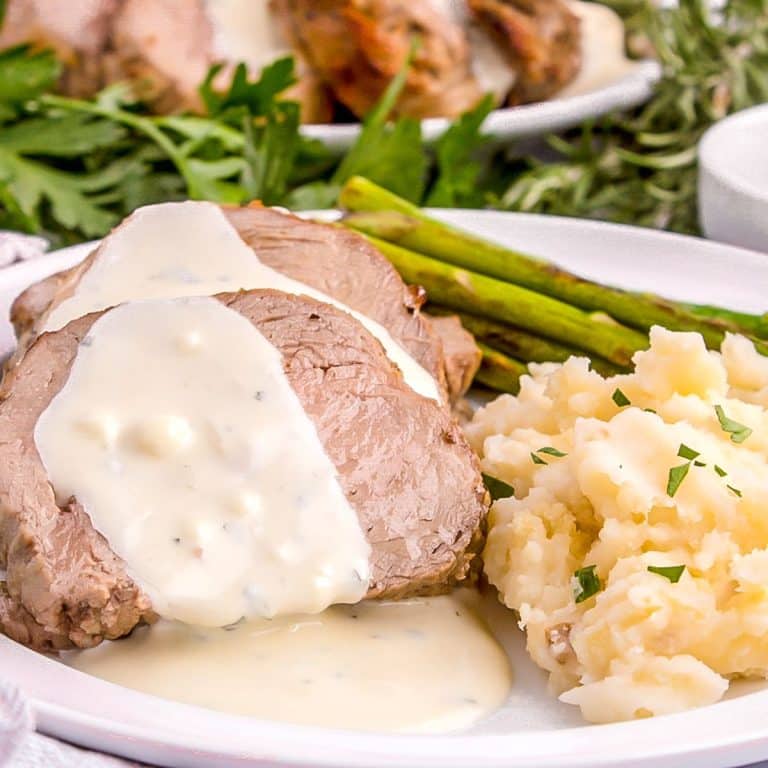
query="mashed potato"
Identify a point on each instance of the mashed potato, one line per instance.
(644, 643)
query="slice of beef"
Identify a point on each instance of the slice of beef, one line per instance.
(78, 30)
(402, 461)
(462, 355)
(337, 262)
(167, 47)
(358, 46)
(541, 38)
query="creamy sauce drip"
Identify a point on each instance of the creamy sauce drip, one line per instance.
(245, 30)
(190, 249)
(604, 59)
(179, 433)
(426, 665)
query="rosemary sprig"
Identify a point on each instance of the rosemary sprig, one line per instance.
(641, 168)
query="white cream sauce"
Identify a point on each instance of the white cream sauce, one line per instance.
(179, 433)
(490, 66)
(245, 30)
(604, 58)
(426, 665)
(191, 249)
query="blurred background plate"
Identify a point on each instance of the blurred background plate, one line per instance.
(633, 87)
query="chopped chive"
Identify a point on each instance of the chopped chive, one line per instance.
(672, 572)
(589, 583)
(497, 488)
(739, 432)
(676, 477)
(720, 471)
(552, 452)
(699, 464)
(537, 459)
(620, 398)
(649, 410)
(687, 453)
(734, 490)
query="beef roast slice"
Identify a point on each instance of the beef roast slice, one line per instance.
(402, 461)
(337, 262)
(462, 355)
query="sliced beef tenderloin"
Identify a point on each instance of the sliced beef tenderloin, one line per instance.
(402, 461)
(462, 355)
(337, 262)
(541, 40)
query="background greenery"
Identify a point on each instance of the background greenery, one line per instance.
(72, 168)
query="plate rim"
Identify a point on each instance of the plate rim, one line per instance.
(734, 726)
(630, 90)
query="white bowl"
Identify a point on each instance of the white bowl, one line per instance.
(733, 179)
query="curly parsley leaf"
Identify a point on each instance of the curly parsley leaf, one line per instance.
(458, 171)
(25, 74)
(256, 97)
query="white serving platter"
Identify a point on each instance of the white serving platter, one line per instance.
(533, 730)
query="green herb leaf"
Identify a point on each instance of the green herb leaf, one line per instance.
(735, 491)
(25, 74)
(699, 464)
(270, 152)
(391, 156)
(498, 488)
(620, 398)
(537, 459)
(257, 97)
(649, 410)
(739, 432)
(672, 572)
(720, 471)
(550, 451)
(588, 583)
(457, 172)
(676, 477)
(687, 453)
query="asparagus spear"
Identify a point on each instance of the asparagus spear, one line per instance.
(754, 325)
(467, 291)
(499, 372)
(524, 345)
(389, 217)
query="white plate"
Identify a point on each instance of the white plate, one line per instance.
(557, 114)
(533, 730)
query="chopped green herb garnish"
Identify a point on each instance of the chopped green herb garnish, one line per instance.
(620, 398)
(589, 583)
(687, 453)
(537, 459)
(649, 410)
(552, 452)
(734, 490)
(699, 464)
(720, 471)
(672, 572)
(497, 488)
(676, 477)
(739, 432)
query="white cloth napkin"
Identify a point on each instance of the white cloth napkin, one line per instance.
(21, 747)
(15, 246)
